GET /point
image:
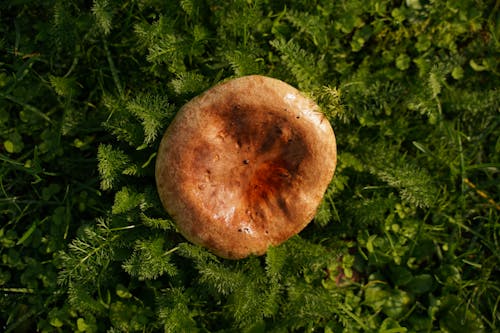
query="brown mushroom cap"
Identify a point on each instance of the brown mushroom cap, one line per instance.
(245, 165)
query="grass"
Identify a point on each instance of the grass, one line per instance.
(405, 240)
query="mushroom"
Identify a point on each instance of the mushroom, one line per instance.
(244, 165)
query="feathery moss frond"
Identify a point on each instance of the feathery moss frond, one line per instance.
(415, 185)
(103, 15)
(189, 83)
(305, 67)
(174, 311)
(153, 111)
(150, 260)
(112, 163)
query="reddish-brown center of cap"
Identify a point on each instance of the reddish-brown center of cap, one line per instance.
(246, 167)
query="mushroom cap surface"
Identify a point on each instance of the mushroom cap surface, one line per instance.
(245, 165)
